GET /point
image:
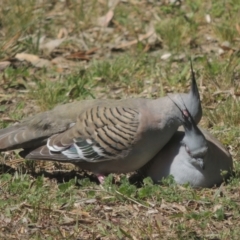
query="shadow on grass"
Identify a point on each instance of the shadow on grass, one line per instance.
(59, 175)
(62, 176)
(6, 169)
(65, 175)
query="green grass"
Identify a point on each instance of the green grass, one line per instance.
(45, 200)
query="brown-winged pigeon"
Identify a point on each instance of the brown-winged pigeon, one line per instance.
(103, 136)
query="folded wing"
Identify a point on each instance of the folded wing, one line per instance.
(100, 134)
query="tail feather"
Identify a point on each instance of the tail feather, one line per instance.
(31, 133)
(19, 137)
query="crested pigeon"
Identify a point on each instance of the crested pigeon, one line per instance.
(103, 136)
(192, 156)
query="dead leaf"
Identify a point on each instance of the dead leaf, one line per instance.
(107, 209)
(91, 51)
(11, 41)
(68, 221)
(179, 207)
(79, 212)
(78, 56)
(4, 65)
(238, 28)
(226, 46)
(208, 18)
(8, 120)
(26, 57)
(173, 207)
(81, 55)
(166, 56)
(33, 59)
(217, 207)
(51, 45)
(62, 33)
(152, 211)
(106, 19)
(130, 43)
(154, 39)
(90, 201)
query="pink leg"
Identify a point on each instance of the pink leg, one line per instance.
(100, 178)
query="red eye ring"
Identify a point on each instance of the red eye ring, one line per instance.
(185, 113)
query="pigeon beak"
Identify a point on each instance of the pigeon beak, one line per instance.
(201, 163)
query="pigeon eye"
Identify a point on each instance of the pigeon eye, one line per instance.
(185, 113)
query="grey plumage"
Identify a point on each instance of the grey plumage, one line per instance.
(192, 156)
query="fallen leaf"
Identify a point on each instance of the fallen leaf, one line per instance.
(11, 41)
(208, 18)
(26, 57)
(106, 208)
(226, 46)
(106, 19)
(68, 221)
(166, 56)
(78, 56)
(4, 65)
(152, 211)
(51, 45)
(79, 212)
(130, 43)
(179, 207)
(33, 59)
(154, 39)
(90, 201)
(8, 120)
(217, 207)
(62, 33)
(238, 28)
(81, 55)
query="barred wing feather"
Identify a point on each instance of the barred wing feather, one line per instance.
(100, 134)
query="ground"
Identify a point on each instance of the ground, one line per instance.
(53, 52)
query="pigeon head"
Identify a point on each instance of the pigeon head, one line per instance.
(194, 141)
(191, 100)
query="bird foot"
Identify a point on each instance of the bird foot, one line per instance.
(100, 178)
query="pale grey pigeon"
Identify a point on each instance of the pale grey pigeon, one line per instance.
(192, 156)
(103, 136)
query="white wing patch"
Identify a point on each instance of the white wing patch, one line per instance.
(71, 153)
(89, 141)
(98, 150)
(54, 148)
(80, 149)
